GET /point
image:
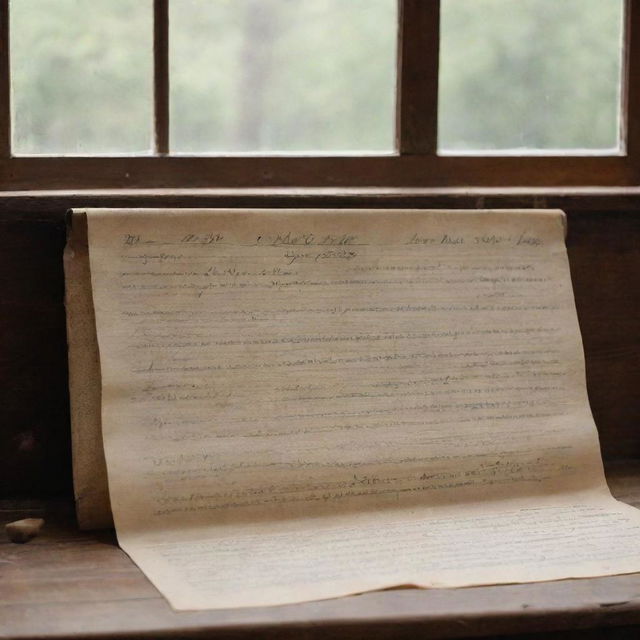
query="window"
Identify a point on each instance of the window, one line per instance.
(318, 93)
(530, 76)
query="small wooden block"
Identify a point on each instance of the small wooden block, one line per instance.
(22, 531)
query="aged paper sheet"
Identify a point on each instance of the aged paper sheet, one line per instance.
(93, 509)
(303, 405)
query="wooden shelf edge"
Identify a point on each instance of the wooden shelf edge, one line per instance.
(625, 200)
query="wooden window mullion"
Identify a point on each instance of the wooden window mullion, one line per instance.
(630, 121)
(417, 94)
(5, 82)
(161, 75)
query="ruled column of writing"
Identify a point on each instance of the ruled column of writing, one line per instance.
(301, 370)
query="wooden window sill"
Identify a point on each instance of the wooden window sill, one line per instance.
(577, 199)
(72, 584)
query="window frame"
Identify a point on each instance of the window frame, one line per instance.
(414, 164)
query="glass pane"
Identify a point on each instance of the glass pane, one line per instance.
(82, 73)
(530, 74)
(277, 75)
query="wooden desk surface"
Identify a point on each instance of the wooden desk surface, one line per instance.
(70, 584)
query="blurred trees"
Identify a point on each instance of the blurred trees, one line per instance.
(289, 75)
(82, 75)
(537, 74)
(310, 75)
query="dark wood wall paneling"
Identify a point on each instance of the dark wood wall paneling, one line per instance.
(34, 410)
(604, 251)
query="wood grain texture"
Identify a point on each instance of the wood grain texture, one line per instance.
(161, 75)
(34, 415)
(604, 253)
(5, 82)
(391, 171)
(68, 584)
(630, 120)
(44, 205)
(417, 94)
